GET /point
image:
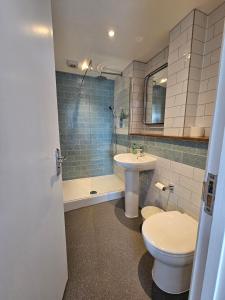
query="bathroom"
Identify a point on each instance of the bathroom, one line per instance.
(118, 175)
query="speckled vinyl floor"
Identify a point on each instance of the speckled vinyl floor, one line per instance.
(106, 255)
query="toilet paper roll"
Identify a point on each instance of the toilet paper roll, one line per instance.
(160, 186)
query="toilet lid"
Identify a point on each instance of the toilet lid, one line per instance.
(149, 211)
(171, 232)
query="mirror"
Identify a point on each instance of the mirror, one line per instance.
(155, 96)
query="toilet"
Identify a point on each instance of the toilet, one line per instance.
(149, 211)
(170, 237)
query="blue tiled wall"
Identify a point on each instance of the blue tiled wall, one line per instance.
(85, 125)
(193, 153)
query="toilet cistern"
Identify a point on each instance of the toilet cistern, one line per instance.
(133, 164)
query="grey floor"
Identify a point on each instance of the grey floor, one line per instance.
(106, 255)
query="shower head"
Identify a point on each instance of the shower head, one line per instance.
(100, 77)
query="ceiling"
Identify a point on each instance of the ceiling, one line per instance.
(141, 29)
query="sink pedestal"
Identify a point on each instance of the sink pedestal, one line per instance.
(133, 164)
(131, 193)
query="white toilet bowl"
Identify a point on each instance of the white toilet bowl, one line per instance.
(170, 237)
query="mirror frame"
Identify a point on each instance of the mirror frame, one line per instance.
(146, 95)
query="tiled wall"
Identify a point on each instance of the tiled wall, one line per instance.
(188, 187)
(192, 153)
(194, 53)
(203, 43)
(179, 162)
(196, 58)
(178, 73)
(193, 61)
(85, 125)
(210, 67)
(136, 99)
(137, 71)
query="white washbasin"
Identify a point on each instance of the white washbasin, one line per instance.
(134, 162)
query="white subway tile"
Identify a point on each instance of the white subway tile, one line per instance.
(212, 83)
(200, 110)
(192, 98)
(200, 18)
(180, 99)
(182, 75)
(185, 49)
(191, 110)
(209, 33)
(204, 85)
(199, 175)
(187, 21)
(182, 169)
(207, 97)
(197, 47)
(182, 192)
(219, 27)
(196, 60)
(209, 109)
(178, 122)
(215, 56)
(194, 86)
(172, 80)
(174, 90)
(206, 60)
(173, 56)
(216, 15)
(175, 32)
(176, 67)
(210, 71)
(199, 33)
(195, 73)
(190, 184)
(213, 44)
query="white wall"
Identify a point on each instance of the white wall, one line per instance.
(188, 185)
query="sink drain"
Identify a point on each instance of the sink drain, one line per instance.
(93, 192)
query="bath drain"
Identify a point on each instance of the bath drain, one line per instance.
(93, 192)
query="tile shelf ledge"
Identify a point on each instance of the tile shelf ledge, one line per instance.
(184, 138)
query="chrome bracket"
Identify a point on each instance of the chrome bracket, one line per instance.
(209, 192)
(59, 161)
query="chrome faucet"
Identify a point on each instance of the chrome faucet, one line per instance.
(140, 152)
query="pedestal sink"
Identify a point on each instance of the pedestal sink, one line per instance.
(133, 164)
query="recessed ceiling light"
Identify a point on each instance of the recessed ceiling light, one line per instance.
(111, 33)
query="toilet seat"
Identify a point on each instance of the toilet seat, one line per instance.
(171, 233)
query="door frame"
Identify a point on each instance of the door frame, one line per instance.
(209, 256)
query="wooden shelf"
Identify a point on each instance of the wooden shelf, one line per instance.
(184, 138)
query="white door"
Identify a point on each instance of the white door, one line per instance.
(32, 235)
(209, 256)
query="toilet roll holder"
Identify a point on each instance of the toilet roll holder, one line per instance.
(162, 187)
(169, 187)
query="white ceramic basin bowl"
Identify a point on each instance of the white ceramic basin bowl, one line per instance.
(131, 161)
